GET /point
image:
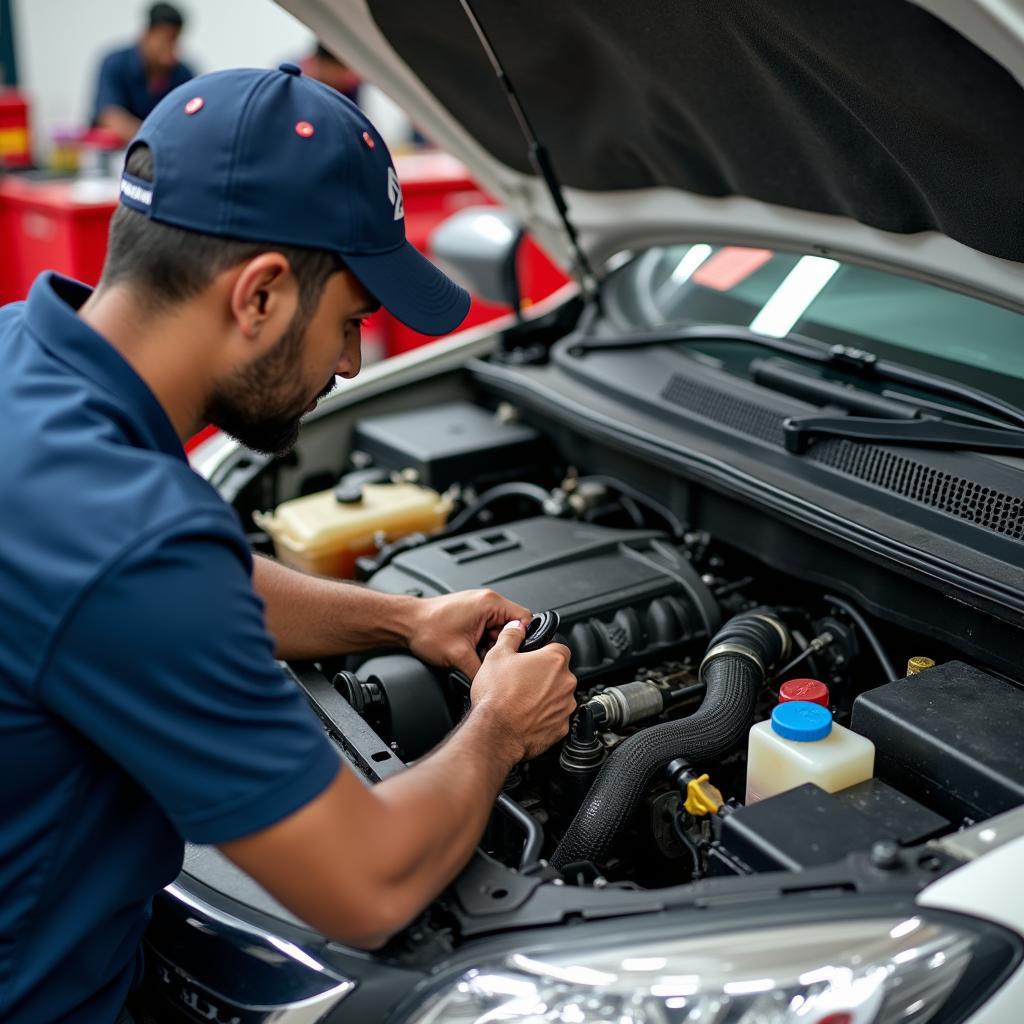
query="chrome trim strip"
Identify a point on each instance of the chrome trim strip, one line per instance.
(726, 648)
(289, 949)
(781, 630)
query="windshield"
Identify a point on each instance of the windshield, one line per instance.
(776, 293)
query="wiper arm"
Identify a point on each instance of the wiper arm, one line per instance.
(923, 432)
(877, 419)
(785, 377)
(863, 364)
(869, 367)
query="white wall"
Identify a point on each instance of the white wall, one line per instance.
(60, 43)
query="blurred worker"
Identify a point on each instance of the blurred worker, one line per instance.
(322, 65)
(133, 80)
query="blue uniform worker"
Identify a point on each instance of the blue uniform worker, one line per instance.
(133, 80)
(140, 701)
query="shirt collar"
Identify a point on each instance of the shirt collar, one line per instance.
(51, 314)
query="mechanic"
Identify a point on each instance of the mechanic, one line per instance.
(140, 701)
(134, 79)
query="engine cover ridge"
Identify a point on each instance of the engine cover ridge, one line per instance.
(624, 596)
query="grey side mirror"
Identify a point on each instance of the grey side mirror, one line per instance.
(478, 247)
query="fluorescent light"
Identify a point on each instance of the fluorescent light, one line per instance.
(801, 287)
(692, 259)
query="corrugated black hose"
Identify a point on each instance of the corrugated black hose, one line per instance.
(734, 669)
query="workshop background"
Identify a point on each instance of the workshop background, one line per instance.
(59, 180)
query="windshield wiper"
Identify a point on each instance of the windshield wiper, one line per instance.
(875, 418)
(925, 432)
(860, 363)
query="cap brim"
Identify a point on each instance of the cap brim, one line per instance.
(411, 289)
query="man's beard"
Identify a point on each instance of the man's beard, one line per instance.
(261, 406)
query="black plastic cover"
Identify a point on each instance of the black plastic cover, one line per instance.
(454, 442)
(623, 596)
(952, 736)
(806, 827)
(906, 821)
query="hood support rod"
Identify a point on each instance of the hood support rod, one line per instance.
(539, 157)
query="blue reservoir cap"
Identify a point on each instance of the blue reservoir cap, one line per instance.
(802, 721)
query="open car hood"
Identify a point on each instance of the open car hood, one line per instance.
(889, 132)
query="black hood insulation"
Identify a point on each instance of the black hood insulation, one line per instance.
(876, 110)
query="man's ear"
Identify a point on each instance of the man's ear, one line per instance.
(264, 298)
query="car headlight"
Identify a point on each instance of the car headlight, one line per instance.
(865, 971)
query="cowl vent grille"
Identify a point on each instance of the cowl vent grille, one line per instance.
(740, 414)
(965, 499)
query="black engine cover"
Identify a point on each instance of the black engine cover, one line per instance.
(624, 596)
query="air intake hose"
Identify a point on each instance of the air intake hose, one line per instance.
(735, 667)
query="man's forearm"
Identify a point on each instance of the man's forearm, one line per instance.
(358, 862)
(446, 801)
(119, 120)
(310, 617)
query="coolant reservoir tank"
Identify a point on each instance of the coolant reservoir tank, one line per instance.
(801, 743)
(319, 534)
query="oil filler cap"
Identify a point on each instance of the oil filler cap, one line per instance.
(812, 690)
(802, 721)
(540, 631)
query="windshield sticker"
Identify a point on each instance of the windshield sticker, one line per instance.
(729, 266)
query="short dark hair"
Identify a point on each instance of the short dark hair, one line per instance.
(165, 14)
(169, 265)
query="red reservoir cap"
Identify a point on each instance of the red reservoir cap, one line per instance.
(812, 690)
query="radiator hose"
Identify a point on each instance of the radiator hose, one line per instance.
(738, 661)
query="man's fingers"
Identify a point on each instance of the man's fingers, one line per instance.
(511, 636)
(501, 609)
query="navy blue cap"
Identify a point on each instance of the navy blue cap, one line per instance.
(274, 156)
(802, 721)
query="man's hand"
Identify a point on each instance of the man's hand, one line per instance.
(447, 631)
(532, 694)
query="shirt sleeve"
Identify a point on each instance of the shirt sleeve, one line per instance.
(111, 88)
(166, 666)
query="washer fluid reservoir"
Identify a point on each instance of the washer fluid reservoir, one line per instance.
(801, 743)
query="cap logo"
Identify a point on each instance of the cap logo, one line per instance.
(395, 194)
(304, 128)
(194, 105)
(368, 139)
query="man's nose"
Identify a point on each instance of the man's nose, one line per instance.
(349, 364)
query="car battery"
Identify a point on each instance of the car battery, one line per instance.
(951, 736)
(455, 442)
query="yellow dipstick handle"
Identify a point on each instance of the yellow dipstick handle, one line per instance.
(702, 798)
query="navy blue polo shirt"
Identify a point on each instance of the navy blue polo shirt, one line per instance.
(140, 702)
(123, 83)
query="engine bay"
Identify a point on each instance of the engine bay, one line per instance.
(681, 642)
